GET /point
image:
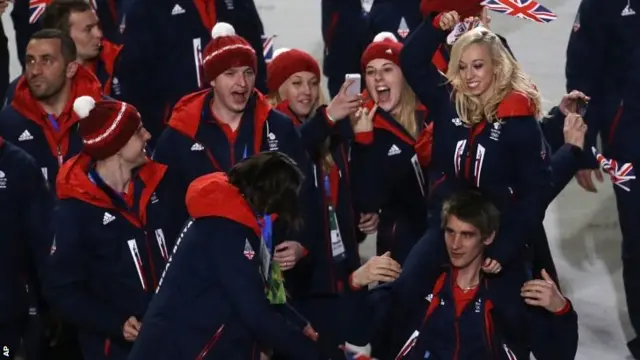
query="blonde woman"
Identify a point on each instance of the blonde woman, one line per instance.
(321, 287)
(486, 132)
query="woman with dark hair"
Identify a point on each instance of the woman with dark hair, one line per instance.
(211, 302)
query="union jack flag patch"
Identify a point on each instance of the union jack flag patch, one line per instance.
(267, 47)
(248, 250)
(523, 9)
(36, 9)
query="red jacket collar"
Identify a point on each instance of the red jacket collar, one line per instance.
(213, 196)
(284, 108)
(187, 115)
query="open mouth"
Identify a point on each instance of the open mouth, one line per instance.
(384, 93)
(473, 84)
(239, 96)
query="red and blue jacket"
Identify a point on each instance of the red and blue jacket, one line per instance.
(26, 205)
(216, 269)
(326, 274)
(195, 143)
(163, 45)
(507, 160)
(109, 251)
(609, 31)
(399, 190)
(51, 141)
(485, 323)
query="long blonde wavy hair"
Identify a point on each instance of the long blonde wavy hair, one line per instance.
(508, 77)
(406, 116)
(274, 98)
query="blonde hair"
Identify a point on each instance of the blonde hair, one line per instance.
(508, 77)
(407, 114)
(274, 98)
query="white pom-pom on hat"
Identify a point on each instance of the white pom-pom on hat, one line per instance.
(279, 51)
(83, 105)
(384, 36)
(222, 29)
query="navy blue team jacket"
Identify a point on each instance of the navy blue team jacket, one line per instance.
(163, 43)
(494, 325)
(195, 144)
(211, 302)
(609, 31)
(399, 188)
(506, 160)
(109, 251)
(26, 124)
(326, 275)
(26, 205)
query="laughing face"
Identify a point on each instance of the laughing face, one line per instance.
(476, 69)
(233, 88)
(384, 84)
(302, 89)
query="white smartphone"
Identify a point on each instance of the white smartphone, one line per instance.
(354, 88)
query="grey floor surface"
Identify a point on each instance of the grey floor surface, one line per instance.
(583, 228)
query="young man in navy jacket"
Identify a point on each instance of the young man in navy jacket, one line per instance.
(221, 267)
(78, 19)
(26, 205)
(163, 50)
(608, 31)
(115, 225)
(40, 118)
(211, 130)
(468, 315)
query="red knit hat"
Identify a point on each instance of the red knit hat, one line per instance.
(384, 46)
(465, 8)
(106, 125)
(226, 50)
(286, 62)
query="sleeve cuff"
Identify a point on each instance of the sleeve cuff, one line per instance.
(364, 138)
(436, 21)
(565, 309)
(331, 121)
(305, 251)
(352, 285)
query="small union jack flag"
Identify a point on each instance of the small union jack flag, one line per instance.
(36, 9)
(267, 47)
(524, 9)
(351, 354)
(619, 173)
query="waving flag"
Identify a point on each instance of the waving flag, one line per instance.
(524, 9)
(36, 9)
(267, 47)
(619, 173)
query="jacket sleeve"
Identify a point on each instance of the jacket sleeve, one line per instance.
(65, 283)
(564, 164)
(37, 214)
(422, 76)
(315, 131)
(243, 286)
(136, 66)
(533, 179)
(553, 336)
(365, 175)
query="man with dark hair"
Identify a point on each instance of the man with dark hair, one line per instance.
(468, 314)
(78, 19)
(221, 267)
(40, 119)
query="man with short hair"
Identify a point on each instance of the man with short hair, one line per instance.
(469, 315)
(78, 19)
(40, 117)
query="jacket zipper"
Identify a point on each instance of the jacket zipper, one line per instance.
(60, 157)
(471, 148)
(152, 270)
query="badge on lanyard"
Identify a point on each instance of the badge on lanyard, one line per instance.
(270, 270)
(337, 246)
(56, 127)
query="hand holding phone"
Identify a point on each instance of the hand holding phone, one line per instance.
(355, 87)
(581, 107)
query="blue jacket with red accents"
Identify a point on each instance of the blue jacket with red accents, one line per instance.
(109, 251)
(26, 124)
(211, 303)
(163, 45)
(26, 205)
(609, 31)
(494, 325)
(507, 160)
(195, 144)
(326, 274)
(400, 192)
